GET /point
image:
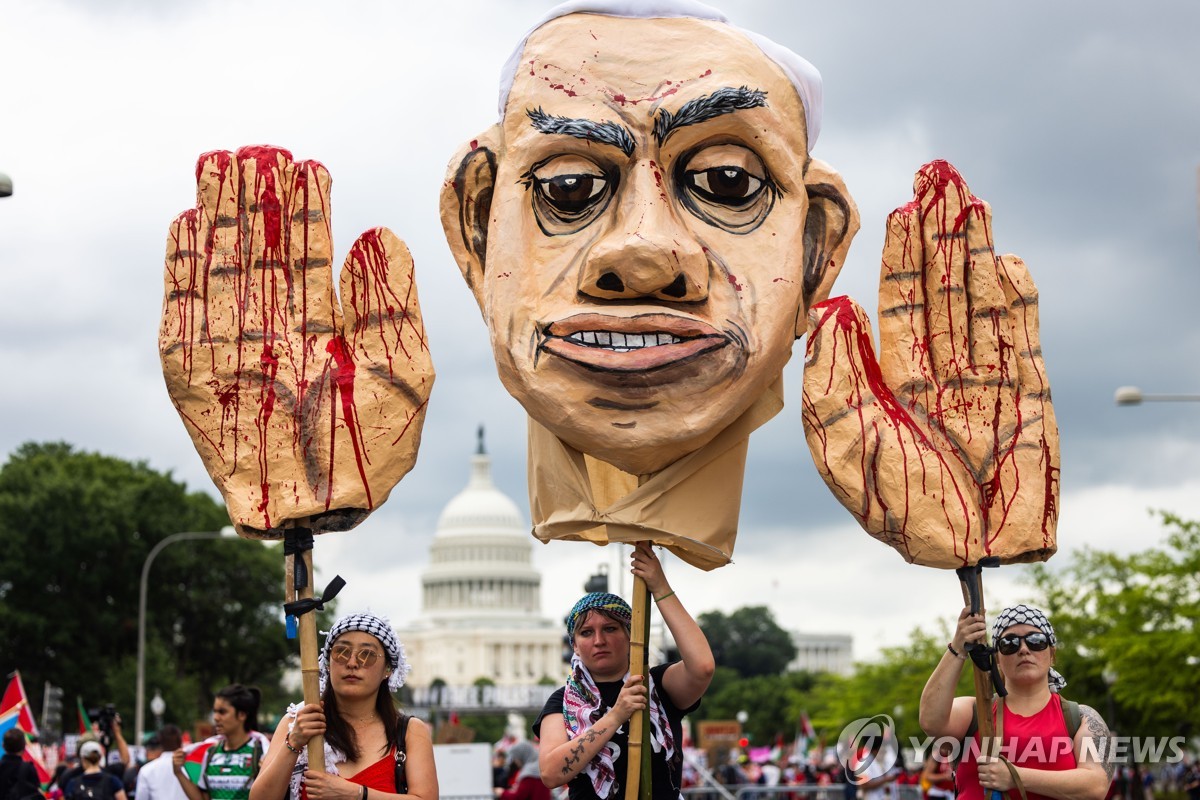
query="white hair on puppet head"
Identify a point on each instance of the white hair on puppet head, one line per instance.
(379, 627)
(803, 75)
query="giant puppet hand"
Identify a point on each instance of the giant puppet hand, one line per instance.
(946, 447)
(305, 411)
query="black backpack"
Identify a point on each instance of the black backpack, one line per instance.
(24, 790)
(101, 790)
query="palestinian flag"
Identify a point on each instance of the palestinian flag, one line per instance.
(85, 722)
(193, 762)
(14, 707)
(15, 713)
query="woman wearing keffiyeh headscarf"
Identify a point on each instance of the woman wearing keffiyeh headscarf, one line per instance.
(1038, 752)
(372, 751)
(583, 727)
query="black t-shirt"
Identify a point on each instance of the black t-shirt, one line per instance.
(667, 776)
(115, 768)
(13, 770)
(94, 781)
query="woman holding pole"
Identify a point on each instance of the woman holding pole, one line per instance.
(1040, 755)
(372, 751)
(583, 726)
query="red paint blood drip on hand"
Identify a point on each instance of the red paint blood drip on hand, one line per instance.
(377, 302)
(343, 381)
(842, 311)
(264, 162)
(269, 364)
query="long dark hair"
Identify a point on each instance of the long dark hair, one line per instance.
(244, 699)
(340, 734)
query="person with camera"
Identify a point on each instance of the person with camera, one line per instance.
(106, 732)
(232, 762)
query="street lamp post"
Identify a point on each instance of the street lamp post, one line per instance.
(1109, 676)
(140, 702)
(158, 707)
(1133, 396)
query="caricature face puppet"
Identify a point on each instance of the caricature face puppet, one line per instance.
(644, 231)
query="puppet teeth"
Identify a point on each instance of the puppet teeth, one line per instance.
(623, 342)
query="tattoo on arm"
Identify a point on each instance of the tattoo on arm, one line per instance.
(1101, 737)
(576, 753)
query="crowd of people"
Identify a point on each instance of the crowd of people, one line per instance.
(580, 741)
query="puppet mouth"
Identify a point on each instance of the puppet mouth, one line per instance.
(630, 344)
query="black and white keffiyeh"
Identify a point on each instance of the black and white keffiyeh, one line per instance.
(1028, 615)
(582, 707)
(381, 629)
(333, 756)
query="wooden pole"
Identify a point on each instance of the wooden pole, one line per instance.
(984, 691)
(609, 485)
(638, 658)
(298, 585)
(647, 792)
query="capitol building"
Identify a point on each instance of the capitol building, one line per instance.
(480, 620)
(480, 641)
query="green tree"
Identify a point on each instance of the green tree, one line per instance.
(772, 702)
(748, 641)
(892, 685)
(1137, 618)
(77, 528)
(488, 727)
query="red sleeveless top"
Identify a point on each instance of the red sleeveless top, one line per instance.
(1039, 742)
(381, 775)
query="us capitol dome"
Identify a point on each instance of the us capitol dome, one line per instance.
(481, 598)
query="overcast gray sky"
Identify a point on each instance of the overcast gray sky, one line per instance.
(1078, 121)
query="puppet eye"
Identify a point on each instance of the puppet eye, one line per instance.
(568, 193)
(727, 186)
(730, 186)
(571, 194)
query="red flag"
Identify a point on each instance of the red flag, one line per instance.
(44, 775)
(16, 713)
(14, 708)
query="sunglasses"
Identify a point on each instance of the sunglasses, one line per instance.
(364, 656)
(1036, 642)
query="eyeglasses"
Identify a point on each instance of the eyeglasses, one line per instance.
(1036, 642)
(363, 657)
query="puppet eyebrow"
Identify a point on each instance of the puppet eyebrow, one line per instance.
(722, 101)
(609, 133)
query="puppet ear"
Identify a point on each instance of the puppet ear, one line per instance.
(828, 230)
(466, 204)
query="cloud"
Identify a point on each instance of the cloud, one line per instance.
(1076, 121)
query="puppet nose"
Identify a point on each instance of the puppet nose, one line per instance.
(649, 252)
